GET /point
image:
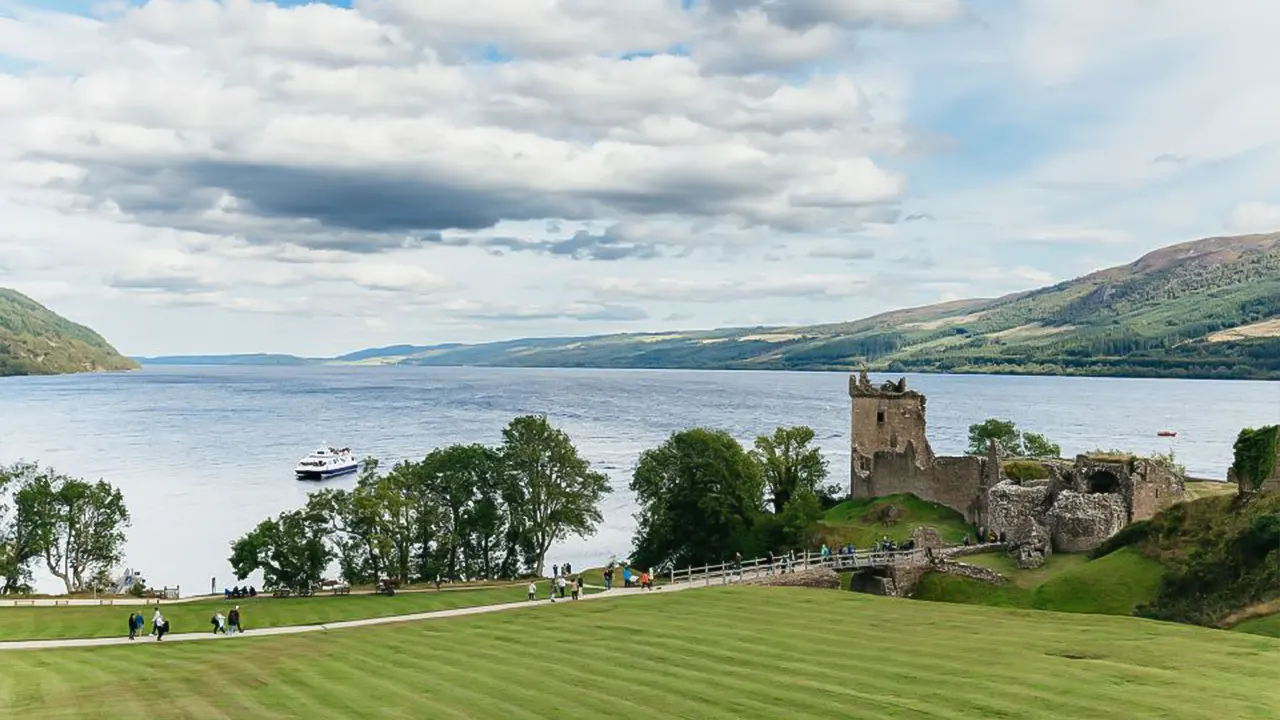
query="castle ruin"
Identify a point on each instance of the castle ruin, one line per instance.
(1080, 504)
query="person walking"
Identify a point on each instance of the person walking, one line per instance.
(575, 586)
(156, 619)
(560, 583)
(219, 623)
(533, 591)
(133, 625)
(233, 621)
(555, 571)
(608, 578)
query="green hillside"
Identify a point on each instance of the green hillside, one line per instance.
(1208, 308)
(36, 341)
(1211, 561)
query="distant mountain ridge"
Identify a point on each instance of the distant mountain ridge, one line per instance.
(34, 340)
(1206, 308)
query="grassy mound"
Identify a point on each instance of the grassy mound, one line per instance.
(717, 653)
(1114, 585)
(866, 520)
(1222, 555)
(39, 623)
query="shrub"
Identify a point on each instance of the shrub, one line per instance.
(1025, 470)
(1255, 455)
(1130, 534)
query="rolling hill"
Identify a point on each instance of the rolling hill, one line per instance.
(1207, 308)
(36, 341)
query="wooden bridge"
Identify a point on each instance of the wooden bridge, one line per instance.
(731, 572)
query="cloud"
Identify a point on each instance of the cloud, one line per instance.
(843, 252)
(582, 312)
(615, 243)
(1256, 217)
(700, 290)
(433, 171)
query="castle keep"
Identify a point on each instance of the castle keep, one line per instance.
(1080, 503)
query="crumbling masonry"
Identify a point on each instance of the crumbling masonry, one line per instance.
(1078, 506)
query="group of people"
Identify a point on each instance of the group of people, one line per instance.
(239, 592)
(560, 584)
(986, 536)
(159, 626)
(228, 624)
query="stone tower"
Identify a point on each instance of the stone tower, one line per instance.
(886, 419)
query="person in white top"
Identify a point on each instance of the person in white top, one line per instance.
(156, 621)
(533, 590)
(560, 585)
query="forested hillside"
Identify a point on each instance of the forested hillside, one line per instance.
(36, 341)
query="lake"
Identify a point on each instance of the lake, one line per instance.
(203, 454)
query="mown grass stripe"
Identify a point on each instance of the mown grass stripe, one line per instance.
(722, 653)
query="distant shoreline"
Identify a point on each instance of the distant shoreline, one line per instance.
(295, 361)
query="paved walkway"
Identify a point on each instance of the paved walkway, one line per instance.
(126, 601)
(296, 629)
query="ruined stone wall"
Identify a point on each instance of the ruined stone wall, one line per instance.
(973, 572)
(1079, 523)
(1155, 487)
(1009, 506)
(812, 577)
(955, 482)
(887, 421)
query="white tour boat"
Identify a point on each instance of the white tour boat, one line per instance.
(327, 462)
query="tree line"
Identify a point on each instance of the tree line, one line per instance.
(75, 527)
(462, 512)
(468, 512)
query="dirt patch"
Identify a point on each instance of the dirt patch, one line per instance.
(884, 515)
(1264, 329)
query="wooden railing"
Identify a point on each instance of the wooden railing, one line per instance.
(727, 572)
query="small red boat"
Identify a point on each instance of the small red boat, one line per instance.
(1167, 433)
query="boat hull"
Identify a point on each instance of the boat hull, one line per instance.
(325, 474)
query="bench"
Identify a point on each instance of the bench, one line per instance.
(282, 593)
(341, 589)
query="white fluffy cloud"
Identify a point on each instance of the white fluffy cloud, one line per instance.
(473, 169)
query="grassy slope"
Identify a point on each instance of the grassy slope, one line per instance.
(1269, 625)
(36, 341)
(1114, 585)
(30, 623)
(857, 521)
(717, 653)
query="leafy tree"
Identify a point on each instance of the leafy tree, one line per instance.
(16, 550)
(800, 520)
(789, 465)
(1010, 440)
(75, 525)
(1003, 432)
(1036, 445)
(452, 478)
(289, 549)
(351, 525)
(700, 495)
(552, 491)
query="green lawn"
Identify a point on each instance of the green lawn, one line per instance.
(1112, 585)
(32, 623)
(863, 521)
(732, 652)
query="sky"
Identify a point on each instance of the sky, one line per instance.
(190, 176)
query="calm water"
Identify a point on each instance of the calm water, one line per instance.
(203, 454)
